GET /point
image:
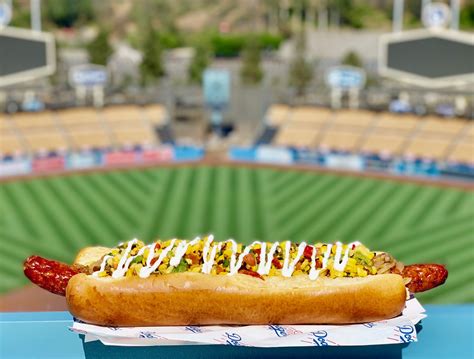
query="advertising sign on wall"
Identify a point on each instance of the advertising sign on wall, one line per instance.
(15, 167)
(345, 77)
(270, 154)
(162, 154)
(120, 158)
(88, 75)
(216, 86)
(82, 160)
(345, 162)
(48, 164)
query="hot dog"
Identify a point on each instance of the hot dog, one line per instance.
(202, 282)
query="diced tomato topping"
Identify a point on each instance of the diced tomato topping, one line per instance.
(154, 260)
(251, 273)
(308, 252)
(258, 252)
(219, 269)
(277, 263)
(194, 258)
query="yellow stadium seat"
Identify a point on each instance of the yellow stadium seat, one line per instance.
(156, 114)
(310, 115)
(427, 148)
(10, 143)
(4, 123)
(131, 114)
(383, 143)
(33, 120)
(390, 123)
(45, 141)
(136, 136)
(277, 114)
(295, 137)
(469, 133)
(87, 139)
(356, 118)
(437, 125)
(81, 115)
(340, 140)
(463, 152)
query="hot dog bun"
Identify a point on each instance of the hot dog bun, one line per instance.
(195, 298)
(88, 256)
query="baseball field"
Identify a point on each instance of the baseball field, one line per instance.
(57, 216)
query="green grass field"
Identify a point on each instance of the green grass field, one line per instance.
(55, 217)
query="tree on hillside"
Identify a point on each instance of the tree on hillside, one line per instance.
(65, 13)
(352, 59)
(99, 49)
(301, 72)
(251, 71)
(151, 67)
(199, 62)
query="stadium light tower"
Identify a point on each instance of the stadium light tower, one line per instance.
(35, 8)
(398, 10)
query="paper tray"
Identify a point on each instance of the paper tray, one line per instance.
(398, 330)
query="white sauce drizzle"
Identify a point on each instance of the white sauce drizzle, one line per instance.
(146, 271)
(338, 264)
(289, 267)
(102, 266)
(181, 251)
(122, 267)
(210, 250)
(266, 260)
(313, 272)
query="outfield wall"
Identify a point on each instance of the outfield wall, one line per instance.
(351, 161)
(90, 159)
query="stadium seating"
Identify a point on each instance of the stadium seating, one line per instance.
(79, 128)
(9, 143)
(277, 115)
(155, 114)
(385, 134)
(383, 144)
(463, 152)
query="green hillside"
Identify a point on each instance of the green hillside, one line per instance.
(55, 217)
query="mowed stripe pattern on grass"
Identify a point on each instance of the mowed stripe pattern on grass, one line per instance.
(55, 217)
